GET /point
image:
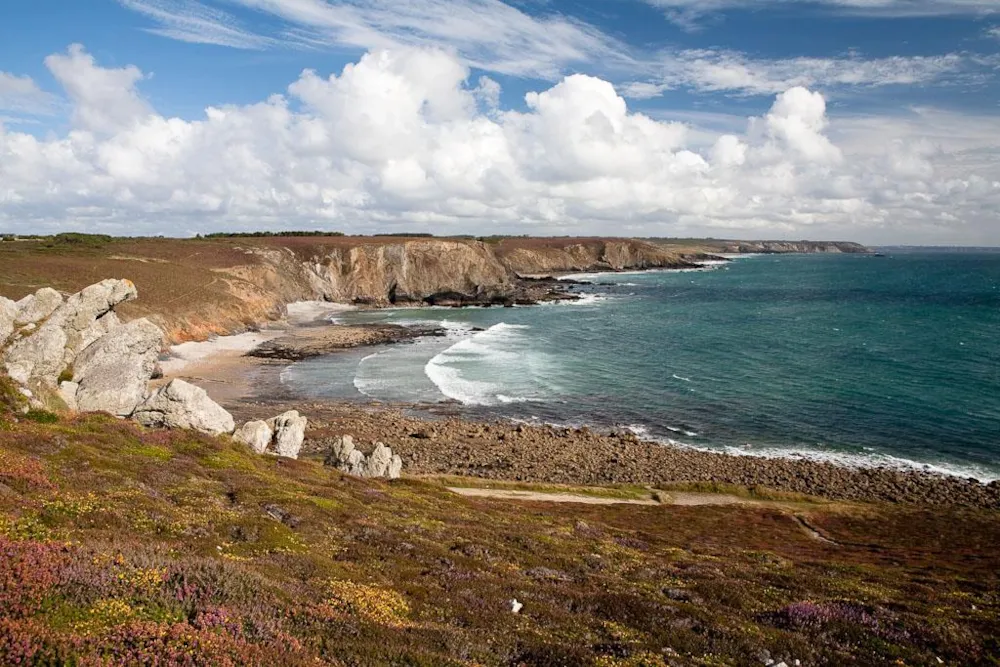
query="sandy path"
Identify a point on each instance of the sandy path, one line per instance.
(674, 498)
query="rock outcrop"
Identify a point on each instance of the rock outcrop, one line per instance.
(183, 405)
(380, 463)
(34, 308)
(255, 434)
(281, 436)
(8, 314)
(37, 358)
(111, 374)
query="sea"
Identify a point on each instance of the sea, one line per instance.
(890, 360)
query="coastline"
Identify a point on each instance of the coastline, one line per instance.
(439, 440)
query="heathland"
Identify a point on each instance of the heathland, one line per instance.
(128, 545)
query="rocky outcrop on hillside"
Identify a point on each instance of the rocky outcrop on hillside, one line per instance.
(281, 436)
(183, 405)
(345, 457)
(38, 355)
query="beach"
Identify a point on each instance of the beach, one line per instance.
(440, 440)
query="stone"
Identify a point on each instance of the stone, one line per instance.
(289, 433)
(8, 314)
(67, 392)
(183, 405)
(395, 467)
(256, 434)
(34, 308)
(113, 372)
(83, 318)
(515, 606)
(378, 461)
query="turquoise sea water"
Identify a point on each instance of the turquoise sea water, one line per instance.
(867, 360)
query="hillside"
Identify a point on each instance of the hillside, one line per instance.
(123, 545)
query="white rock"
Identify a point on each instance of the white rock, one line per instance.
(289, 433)
(8, 313)
(42, 356)
(395, 467)
(113, 372)
(378, 461)
(34, 308)
(256, 434)
(67, 391)
(515, 606)
(183, 405)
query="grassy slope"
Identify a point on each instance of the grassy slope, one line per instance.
(121, 544)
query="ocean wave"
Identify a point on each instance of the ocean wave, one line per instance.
(498, 354)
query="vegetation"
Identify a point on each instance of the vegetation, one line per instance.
(120, 545)
(258, 235)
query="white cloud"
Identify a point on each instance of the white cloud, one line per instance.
(403, 138)
(994, 32)
(104, 100)
(192, 21)
(687, 12)
(487, 34)
(20, 94)
(727, 71)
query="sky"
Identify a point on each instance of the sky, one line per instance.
(869, 120)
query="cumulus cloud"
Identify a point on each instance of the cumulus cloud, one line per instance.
(707, 70)
(405, 138)
(104, 100)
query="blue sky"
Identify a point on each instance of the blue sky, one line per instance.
(907, 71)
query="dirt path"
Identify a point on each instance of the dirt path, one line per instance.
(673, 498)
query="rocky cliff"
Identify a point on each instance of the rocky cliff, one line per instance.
(787, 247)
(546, 256)
(195, 288)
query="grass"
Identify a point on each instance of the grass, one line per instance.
(120, 545)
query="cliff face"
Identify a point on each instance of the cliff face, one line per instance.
(785, 247)
(543, 256)
(195, 288)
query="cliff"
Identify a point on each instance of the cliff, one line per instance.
(194, 288)
(546, 256)
(787, 247)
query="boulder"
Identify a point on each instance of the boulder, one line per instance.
(289, 433)
(42, 356)
(34, 308)
(112, 373)
(256, 434)
(380, 463)
(183, 405)
(67, 392)
(8, 313)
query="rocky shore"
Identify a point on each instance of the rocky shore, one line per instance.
(545, 454)
(305, 343)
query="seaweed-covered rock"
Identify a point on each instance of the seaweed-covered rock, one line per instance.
(183, 405)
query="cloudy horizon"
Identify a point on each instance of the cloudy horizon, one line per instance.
(631, 118)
